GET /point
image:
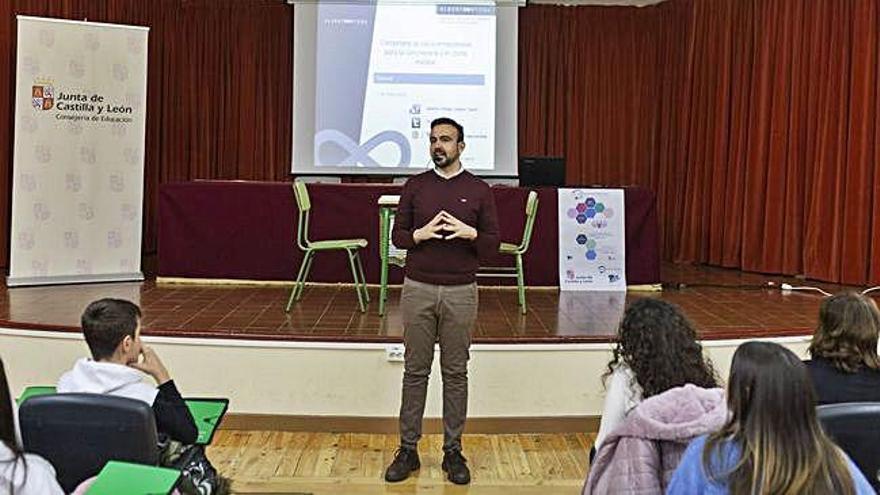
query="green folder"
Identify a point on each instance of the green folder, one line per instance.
(123, 478)
(207, 414)
(34, 391)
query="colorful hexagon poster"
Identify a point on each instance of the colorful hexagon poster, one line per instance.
(592, 240)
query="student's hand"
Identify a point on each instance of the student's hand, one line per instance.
(152, 365)
(458, 228)
(431, 230)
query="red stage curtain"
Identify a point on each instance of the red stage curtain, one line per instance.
(603, 86)
(755, 121)
(781, 133)
(218, 89)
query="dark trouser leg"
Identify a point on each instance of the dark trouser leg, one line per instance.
(418, 303)
(458, 313)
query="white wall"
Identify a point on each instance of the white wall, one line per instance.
(316, 379)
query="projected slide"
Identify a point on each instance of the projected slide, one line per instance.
(383, 72)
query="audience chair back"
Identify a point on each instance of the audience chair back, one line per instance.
(855, 427)
(79, 433)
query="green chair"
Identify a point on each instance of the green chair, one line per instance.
(518, 250)
(350, 246)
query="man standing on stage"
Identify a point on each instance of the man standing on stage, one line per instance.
(446, 221)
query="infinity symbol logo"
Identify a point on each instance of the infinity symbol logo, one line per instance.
(360, 154)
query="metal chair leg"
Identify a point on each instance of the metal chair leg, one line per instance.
(520, 283)
(302, 285)
(360, 267)
(290, 299)
(354, 275)
(300, 278)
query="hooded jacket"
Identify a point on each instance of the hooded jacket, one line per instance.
(94, 377)
(640, 456)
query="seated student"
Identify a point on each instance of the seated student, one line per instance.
(772, 442)
(20, 473)
(112, 331)
(845, 365)
(656, 350)
(119, 361)
(640, 455)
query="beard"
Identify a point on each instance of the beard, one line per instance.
(442, 160)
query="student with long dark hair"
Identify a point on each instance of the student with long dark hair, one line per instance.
(656, 350)
(845, 366)
(20, 473)
(772, 442)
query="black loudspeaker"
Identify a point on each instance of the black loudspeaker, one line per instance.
(538, 171)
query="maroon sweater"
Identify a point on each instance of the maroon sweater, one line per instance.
(440, 261)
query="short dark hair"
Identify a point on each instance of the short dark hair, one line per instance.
(106, 323)
(448, 121)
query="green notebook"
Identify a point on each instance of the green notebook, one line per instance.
(207, 413)
(34, 391)
(123, 478)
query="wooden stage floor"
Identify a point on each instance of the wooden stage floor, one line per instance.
(724, 304)
(276, 462)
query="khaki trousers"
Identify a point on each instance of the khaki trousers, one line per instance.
(432, 313)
